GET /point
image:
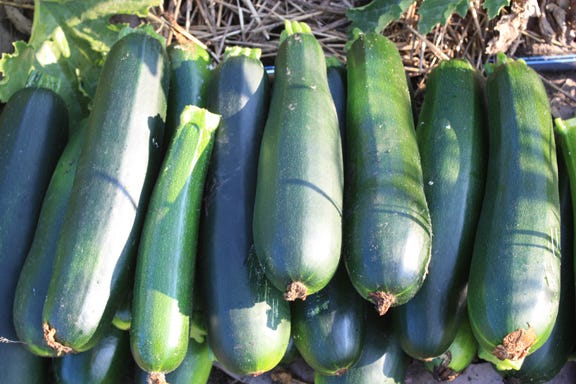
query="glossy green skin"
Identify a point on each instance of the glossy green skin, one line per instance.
(106, 363)
(248, 321)
(337, 83)
(298, 207)
(33, 134)
(544, 364)
(328, 327)
(514, 279)
(387, 230)
(452, 142)
(37, 269)
(116, 170)
(189, 75)
(382, 361)
(165, 270)
(457, 357)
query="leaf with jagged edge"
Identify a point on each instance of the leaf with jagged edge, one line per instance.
(376, 15)
(493, 7)
(434, 12)
(67, 48)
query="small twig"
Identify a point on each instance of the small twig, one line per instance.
(437, 51)
(557, 88)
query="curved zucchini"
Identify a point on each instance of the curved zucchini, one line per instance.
(382, 360)
(165, 269)
(33, 134)
(298, 204)
(248, 320)
(189, 75)
(453, 148)
(514, 282)
(105, 363)
(37, 269)
(328, 327)
(116, 170)
(459, 355)
(387, 229)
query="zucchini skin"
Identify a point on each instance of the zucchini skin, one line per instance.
(116, 170)
(452, 142)
(387, 229)
(37, 269)
(382, 360)
(248, 321)
(105, 363)
(33, 134)
(514, 281)
(328, 327)
(166, 264)
(299, 189)
(189, 76)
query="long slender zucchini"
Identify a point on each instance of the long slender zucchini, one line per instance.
(165, 269)
(37, 269)
(382, 360)
(387, 229)
(105, 363)
(189, 75)
(547, 362)
(514, 282)
(328, 327)
(299, 189)
(33, 134)
(116, 170)
(453, 148)
(248, 320)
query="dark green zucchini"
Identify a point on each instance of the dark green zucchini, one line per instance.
(336, 73)
(248, 322)
(108, 362)
(165, 269)
(514, 281)
(328, 327)
(299, 189)
(382, 360)
(33, 134)
(116, 171)
(189, 75)
(123, 316)
(459, 355)
(453, 148)
(387, 229)
(37, 269)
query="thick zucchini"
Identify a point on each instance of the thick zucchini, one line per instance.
(106, 363)
(248, 320)
(514, 282)
(387, 230)
(298, 205)
(453, 148)
(189, 75)
(459, 355)
(544, 364)
(37, 269)
(165, 269)
(328, 327)
(116, 170)
(33, 134)
(382, 361)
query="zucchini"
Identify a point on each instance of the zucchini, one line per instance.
(165, 269)
(382, 360)
(189, 75)
(116, 170)
(459, 355)
(105, 363)
(298, 205)
(453, 148)
(37, 269)
(33, 134)
(336, 74)
(387, 229)
(514, 281)
(248, 322)
(328, 327)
